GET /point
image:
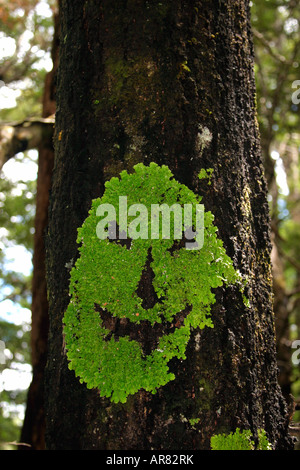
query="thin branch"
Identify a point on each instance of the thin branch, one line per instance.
(268, 46)
(294, 263)
(14, 443)
(293, 292)
(17, 137)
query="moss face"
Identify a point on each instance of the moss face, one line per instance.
(134, 301)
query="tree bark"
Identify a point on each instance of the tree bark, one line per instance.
(173, 83)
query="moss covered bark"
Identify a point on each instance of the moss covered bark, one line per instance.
(170, 82)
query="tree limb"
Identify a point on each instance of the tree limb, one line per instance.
(17, 137)
(281, 59)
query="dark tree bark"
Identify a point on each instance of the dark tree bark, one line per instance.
(169, 82)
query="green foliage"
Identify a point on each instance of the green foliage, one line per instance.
(16, 339)
(17, 212)
(276, 67)
(22, 64)
(107, 275)
(17, 204)
(26, 40)
(263, 443)
(194, 421)
(206, 174)
(240, 440)
(276, 40)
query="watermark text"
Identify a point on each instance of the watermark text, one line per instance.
(163, 221)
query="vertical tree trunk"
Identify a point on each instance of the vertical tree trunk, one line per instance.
(33, 430)
(281, 303)
(168, 82)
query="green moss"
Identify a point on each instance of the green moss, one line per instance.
(206, 174)
(183, 67)
(240, 440)
(205, 394)
(106, 277)
(194, 421)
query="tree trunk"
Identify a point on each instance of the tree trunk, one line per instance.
(281, 302)
(173, 83)
(33, 430)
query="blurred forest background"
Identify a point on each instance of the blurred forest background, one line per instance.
(28, 52)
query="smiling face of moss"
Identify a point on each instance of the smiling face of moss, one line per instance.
(134, 302)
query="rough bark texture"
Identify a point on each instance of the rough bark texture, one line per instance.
(147, 81)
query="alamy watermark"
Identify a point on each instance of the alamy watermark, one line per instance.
(296, 354)
(296, 343)
(2, 354)
(296, 94)
(163, 221)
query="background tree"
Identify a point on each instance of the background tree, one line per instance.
(277, 46)
(147, 82)
(26, 22)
